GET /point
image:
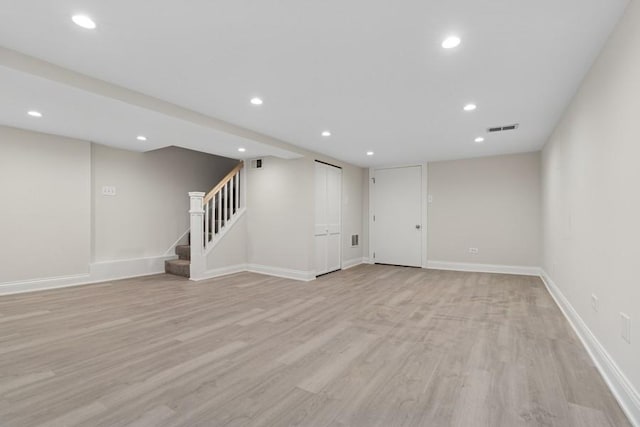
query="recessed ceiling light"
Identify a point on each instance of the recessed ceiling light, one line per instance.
(370, 153)
(84, 21)
(256, 101)
(34, 113)
(479, 139)
(242, 150)
(141, 138)
(470, 107)
(451, 42)
(326, 133)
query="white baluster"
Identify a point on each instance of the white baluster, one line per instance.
(243, 187)
(236, 187)
(226, 203)
(219, 195)
(206, 224)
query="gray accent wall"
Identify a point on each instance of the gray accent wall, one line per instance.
(491, 204)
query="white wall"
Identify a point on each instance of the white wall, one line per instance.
(490, 203)
(58, 229)
(352, 214)
(149, 211)
(591, 198)
(365, 241)
(280, 209)
(230, 254)
(100, 237)
(280, 214)
(45, 206)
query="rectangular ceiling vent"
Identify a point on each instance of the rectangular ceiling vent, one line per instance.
(503, 128)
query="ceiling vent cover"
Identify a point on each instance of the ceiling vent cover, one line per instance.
(503, 128)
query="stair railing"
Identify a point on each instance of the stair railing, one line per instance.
(221, 204)
(213, 213)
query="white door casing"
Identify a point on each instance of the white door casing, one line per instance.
(397, 217)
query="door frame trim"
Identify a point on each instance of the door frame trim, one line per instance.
(328, 164)
(423, 203)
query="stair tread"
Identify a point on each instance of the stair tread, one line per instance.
(183, 252)
(178, 267)
(179, 261)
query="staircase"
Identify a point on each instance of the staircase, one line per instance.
(180, 266)
(211, 216)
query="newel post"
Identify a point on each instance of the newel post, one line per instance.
(196, 211)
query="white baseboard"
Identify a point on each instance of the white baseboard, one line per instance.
(127, 268)
(98, 272)
(484, 268)
(42, 284)
(223, 271)
(624, 392)
(352, 263)
(305, 276)
(367, 260)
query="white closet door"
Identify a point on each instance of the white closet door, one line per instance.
(321, 226)
(334, 203)
(327, 229)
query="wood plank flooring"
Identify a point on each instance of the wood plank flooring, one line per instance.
(370, 346)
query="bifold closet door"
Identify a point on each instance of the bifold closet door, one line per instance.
(327, 230)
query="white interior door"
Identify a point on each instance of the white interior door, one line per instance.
(327, 230)
(398, 216)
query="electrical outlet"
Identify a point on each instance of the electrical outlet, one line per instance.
(473, 251)
(430, 198)
(594, 302)
(108, 190)
(626, 327)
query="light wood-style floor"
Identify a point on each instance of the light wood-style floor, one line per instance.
(370, 346)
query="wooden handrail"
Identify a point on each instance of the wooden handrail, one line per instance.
(222, 183)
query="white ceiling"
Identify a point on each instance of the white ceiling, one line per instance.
(371, 71)
(84, 115)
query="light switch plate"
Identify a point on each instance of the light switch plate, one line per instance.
(626, 327)
(108, 190)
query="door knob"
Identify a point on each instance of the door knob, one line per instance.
(418, 226)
